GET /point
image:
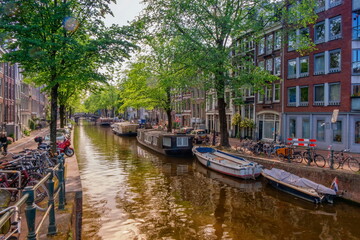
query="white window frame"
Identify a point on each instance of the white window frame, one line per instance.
(319, 103)
(321, 40)
(338, 69)
(304, 74)
(339, 35)
(291, 104)
(277, 73)
(182, 141)
(319, 72)
(293, 75)
(277, 87)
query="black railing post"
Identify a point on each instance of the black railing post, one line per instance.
(30, 213)
(61, 184)
(331, 159)
(52, 222)
(309, 156)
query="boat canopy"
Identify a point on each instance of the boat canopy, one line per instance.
(292, 179)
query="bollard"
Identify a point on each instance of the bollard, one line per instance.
(30, 213)
(52, 222)
(331, 159)
(61, 184)
(309, 156)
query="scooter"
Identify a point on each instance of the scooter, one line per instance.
(62, 147)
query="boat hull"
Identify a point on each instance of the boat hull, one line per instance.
(244, 172)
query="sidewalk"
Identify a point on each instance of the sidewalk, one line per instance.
(28, 141)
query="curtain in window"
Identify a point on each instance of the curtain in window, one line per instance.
(319, 93)
(320, 130)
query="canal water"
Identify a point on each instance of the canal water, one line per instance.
(130, 192)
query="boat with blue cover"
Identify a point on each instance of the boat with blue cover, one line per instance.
(297, 186)
(227, 163)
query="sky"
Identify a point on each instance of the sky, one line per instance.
(124, 11)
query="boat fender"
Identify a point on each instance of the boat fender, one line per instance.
(208, 163)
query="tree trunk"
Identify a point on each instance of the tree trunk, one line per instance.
(224, 135)
(62, 115)
(53, 120)
(168, 113)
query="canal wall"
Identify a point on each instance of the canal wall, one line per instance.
(74, 193)
(349, 182)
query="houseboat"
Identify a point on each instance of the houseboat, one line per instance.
(105, 121)
(125, 128)
(164, 142)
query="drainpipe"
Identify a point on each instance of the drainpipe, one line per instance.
(349, 131)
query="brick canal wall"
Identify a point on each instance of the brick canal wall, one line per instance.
(349, 182)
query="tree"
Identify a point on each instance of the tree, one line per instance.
(156, 76)
(208, 29)
(53, 39)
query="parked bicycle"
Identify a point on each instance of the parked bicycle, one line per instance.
(311, 155)
(289, 154)
(340, 159)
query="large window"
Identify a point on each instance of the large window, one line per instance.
(269, 65)
(292, 96)
(335, 61)
(334, 3)
(291, 40)
(304, 95)
(268, 93)
(337, 131)
(304, 66)
(292, 128)
(269, 43)
(335, 28)
(334, 93)
(261, 65)
(319, 32)
(319, 64)
(356, 25)
(261, 46)
(277, 40)
(356, 62)
(292, 68)
(277, 92)
(320, 6)
(357, 132)
(277, 66)
(305, 128)
(319, 94)
(320, 130)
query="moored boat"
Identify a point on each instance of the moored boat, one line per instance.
(227, 163)
(299, 187)
(125, 128)
(164, 142)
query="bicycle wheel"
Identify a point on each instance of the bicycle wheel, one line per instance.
(297, 157)
(306, 157)
(281, 157)
(353, 164)
(41, 192)
(319, 160)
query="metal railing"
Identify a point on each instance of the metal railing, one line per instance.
(28, 197)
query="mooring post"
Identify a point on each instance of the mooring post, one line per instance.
(30, 213)
(52, 221)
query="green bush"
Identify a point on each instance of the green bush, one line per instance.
(26, 132)
(32, 124)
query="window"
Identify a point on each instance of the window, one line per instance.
(277, 40)
(335, 28)
(320, 130)
(277, 92)
(269, 43)
(261, 46)
(1, 67)
(337, 131)
(334, 3)
(277, 66)
(292, 128)
(182, 141)
(305, 128)
(319, 94)
(304, 66)
(167, 142)
(260, 97)
(292, 96)
(304, 95)
(357, 132)
(268, 94)
(261, 65)
(334, 93)
(292, 68)
(319, 64)
(291, 40)
(320, 6)
(356, 25)
(269, 65)
(335, 61)
(355, 90)
(356, 62)
(319, 32)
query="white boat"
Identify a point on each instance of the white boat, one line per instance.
(227, 163)
(299, 187)
(125, 128)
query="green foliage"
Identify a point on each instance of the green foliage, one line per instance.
(32, 124)
(26, 132)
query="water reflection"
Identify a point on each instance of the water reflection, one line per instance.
(131, 192)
